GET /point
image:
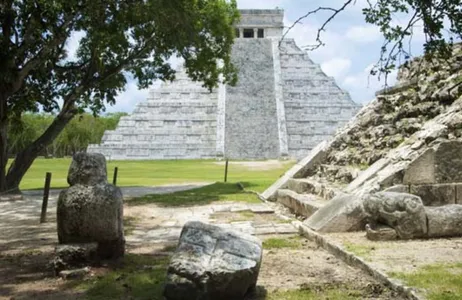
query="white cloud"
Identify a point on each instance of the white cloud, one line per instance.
(363, 85)
(72, 44)
(363, 34)
(336, 67)
(127, 100)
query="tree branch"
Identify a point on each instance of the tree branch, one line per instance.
(335, 12)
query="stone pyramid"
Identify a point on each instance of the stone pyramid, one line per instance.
(282, 106)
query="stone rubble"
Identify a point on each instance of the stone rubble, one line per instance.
(407, 140)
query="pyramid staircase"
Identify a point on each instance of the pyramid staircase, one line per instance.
(314, 104)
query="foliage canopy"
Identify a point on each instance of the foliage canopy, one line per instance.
(119, 38)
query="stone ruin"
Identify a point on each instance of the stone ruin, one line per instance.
(282, 106)
(395, 169)
(89, 215)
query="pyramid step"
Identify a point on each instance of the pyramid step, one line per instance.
(309, 186)
(302, 205)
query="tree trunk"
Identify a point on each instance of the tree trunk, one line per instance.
(26, 157)
(3, 142)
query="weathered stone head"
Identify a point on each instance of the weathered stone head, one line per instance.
(87, 169)
(403, 212)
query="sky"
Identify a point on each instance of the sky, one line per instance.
(351, 48)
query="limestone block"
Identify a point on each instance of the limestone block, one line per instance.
(400, 188)
(315, 157)
(305, 186)
(444, 221)
(448, 162)
(422, 169)
(341, 214)
(87, 169)
(458, 193)
(213, 263)
(367, 174)
(88, 214)
(301, 205)
(441, 164)
(403, 212)
(435, 194)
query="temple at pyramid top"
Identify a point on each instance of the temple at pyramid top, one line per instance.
(260, 23)
(282, 106)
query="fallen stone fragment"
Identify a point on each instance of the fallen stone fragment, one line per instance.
(444, 221)
(341, 214)
(213, 263)
(74, 274)
(70, 256)
(380, 233)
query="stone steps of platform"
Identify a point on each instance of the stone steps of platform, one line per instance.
(300, 204)
(189, 103)
(319, 102)
(159, 131)
(318, 89)
(173, 117)
(159, 146)
(310, 186)
(310, 141)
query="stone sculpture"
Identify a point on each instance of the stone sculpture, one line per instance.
(403, 212)
(406, 215)
(213, 263)
(91, 210)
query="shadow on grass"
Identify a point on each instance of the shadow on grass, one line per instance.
(136, 276)
(200, 196)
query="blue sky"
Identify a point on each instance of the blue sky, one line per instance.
(352, 47)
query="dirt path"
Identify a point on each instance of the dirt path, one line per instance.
(26, 248)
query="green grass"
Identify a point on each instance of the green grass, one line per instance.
(139, 277)
(200, 196)
(158, 172)
(439, 281)
(359, 250)
(279, 243)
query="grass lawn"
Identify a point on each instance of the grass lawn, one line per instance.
(160, 172)
(218, 191)
(438, 281)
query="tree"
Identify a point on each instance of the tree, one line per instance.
(82, 130)
(120, 37)
(437, 19)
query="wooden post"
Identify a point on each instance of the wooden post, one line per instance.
(114, 179)
(226, 171)
(46, 193)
